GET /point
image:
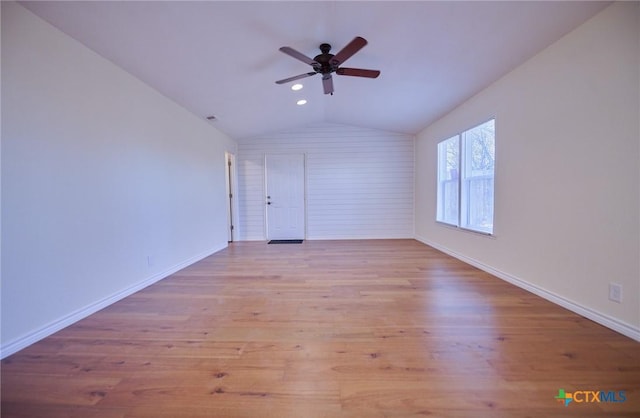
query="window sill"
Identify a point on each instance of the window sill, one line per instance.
(463, 229)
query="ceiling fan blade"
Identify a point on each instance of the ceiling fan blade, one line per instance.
(327, 84)
(298, 55)
(295, 77)
(358, 72)
(352, 47)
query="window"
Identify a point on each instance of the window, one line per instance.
(466, 165)
(448, 180)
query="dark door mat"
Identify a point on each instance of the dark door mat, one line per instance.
(285, 241)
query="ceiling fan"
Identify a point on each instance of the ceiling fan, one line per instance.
(327, 64)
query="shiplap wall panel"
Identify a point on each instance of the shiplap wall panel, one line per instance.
(359, 182)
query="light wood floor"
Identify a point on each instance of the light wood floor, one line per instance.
(325, 329)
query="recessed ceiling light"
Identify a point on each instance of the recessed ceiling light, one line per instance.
(296, 87)
(301, 102)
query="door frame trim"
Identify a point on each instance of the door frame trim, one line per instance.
(231, 179)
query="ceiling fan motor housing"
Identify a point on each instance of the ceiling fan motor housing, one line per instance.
(325, 60)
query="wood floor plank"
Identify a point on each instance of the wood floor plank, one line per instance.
(378, 328)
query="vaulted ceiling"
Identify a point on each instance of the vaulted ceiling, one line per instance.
(221, 57)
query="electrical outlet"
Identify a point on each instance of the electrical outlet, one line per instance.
(615, 292)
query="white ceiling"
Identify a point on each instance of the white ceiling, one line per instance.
(221, 57)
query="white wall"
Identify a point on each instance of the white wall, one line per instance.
(567, 171)
(107, 185)
(359, 182)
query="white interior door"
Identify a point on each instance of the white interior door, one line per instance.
(284, 174)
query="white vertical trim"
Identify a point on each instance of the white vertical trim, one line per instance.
(232, 207)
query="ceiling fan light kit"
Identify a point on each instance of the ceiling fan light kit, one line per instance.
(326, 63)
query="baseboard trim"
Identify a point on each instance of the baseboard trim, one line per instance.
(598, 317)
(55, 326)
(336, 238)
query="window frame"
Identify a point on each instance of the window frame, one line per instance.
(442, 202)
(462, 177)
